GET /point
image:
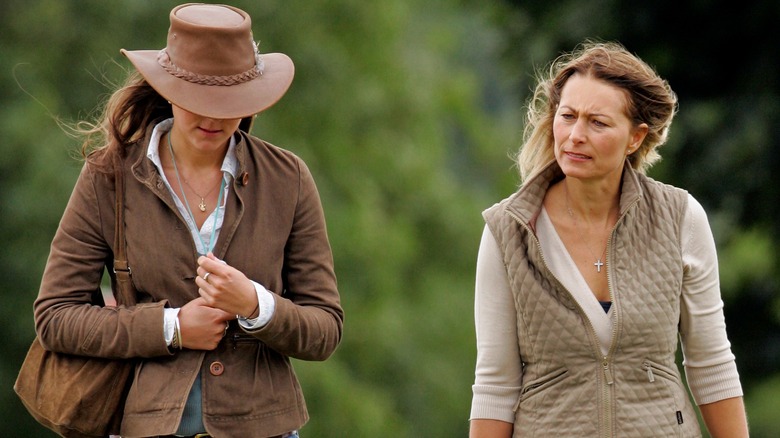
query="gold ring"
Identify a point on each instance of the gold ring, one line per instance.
(206, 277)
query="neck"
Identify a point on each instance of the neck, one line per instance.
(595, 204)
(189, 157)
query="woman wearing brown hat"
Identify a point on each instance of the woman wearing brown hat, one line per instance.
(226, 241)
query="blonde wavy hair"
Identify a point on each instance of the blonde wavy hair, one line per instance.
(650, 100)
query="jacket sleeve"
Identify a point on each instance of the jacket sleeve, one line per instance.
(70, 316)
(308, 318)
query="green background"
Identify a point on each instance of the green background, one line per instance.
(407, 113)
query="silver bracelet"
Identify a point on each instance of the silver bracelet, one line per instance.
(176, 343)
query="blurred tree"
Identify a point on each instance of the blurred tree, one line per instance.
(407, 112)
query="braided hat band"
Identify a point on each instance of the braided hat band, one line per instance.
(165, 61)
(211, 66)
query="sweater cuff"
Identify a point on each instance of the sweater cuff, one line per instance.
(494, 402)
(714, 383)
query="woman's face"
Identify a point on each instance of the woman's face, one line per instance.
(591, 130)
(203, 134)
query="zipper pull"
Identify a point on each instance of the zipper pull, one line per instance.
(650, 376)
(607, 372)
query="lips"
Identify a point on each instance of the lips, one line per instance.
(577, 156)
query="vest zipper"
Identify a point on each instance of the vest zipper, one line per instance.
(608, 405)
(670, 381)
(605, 425)
(650, 376)
(592, 330)
(607, 372)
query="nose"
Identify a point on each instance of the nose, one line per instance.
(579, 132)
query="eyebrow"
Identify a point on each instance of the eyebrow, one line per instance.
(590, 114)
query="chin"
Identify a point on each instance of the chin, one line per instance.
(578, 170)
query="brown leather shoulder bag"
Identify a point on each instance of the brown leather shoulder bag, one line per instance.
(78, 396)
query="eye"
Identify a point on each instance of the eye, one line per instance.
(567, 116)
(599, 123)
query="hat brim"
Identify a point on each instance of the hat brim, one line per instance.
(218, 101)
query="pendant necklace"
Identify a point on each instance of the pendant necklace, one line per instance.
(202, 205)
(598, 264)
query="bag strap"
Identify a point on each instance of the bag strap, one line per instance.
(125, 291)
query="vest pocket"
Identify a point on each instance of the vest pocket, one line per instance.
(671, 388)
(655, 370)
(539, 385)
(665, 379)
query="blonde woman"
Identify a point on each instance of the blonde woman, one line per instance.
(589, 274)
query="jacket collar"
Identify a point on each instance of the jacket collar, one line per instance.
(526, 203)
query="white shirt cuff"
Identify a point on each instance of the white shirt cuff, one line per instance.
(169, 321)
(266, 307)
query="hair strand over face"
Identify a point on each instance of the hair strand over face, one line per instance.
(126, 114)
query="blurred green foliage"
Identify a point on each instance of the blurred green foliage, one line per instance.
(407, 112)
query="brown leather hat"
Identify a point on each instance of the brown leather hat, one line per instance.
(211, 66)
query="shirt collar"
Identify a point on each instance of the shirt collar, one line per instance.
(229, 164)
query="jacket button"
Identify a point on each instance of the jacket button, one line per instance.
(216, 368)
(244, 178)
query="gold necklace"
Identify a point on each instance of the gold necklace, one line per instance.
(598, 264)
(202, 203)
(212, 240)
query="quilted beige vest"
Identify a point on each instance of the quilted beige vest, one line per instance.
(569, 388)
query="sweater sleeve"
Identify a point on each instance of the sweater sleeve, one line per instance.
(710, 365)
(498, 374)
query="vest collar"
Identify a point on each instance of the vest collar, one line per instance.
(526, 203)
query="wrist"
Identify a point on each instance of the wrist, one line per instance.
(253, 314)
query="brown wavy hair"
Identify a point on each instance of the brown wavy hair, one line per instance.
(122, 121)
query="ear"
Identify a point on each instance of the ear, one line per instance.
(637, 137)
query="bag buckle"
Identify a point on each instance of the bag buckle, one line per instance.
(126, 270)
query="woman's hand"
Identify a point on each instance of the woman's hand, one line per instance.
(202, 326)
(224, 287)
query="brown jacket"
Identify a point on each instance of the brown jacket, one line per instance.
(274, 232)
